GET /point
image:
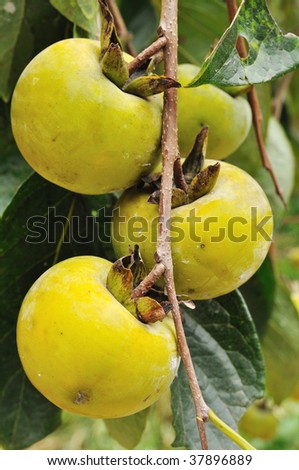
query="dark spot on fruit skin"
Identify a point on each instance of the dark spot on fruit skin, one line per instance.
(191, 291)
(146, 398)
(202, 246)
(81, 398)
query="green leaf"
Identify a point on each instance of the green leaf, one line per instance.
(281, 157)
(31, 232)
(287, 246)
(13, 168)
(25, 415)
(23, 52)
(39, 15)
(141, 21)
(84, 13)
(11, 17)
(247, 156)
(283, 162)
(259, 294)
(200, 23)
(128, 431)
(229, 366)
(13, 171)
(33, 36)
(281, 347)
(292, 99)
(89, 8)
(270, 53)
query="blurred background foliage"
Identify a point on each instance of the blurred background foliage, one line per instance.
(271, 423)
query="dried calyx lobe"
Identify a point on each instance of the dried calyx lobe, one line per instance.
(124, 276)
(142, 82)
(200, 181)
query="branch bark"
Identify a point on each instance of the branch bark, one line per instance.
(164, 264)
(168, 27)
(257, 119)
(148, 281)
(168, 41)
(146, 54)
(257, 116)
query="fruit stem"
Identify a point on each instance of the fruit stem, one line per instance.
(146, 54)
(120, 26)
(229, 432)
(257, 116)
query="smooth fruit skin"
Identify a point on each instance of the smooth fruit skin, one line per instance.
(76, 128)
(229, 119)
(210, 254)
(259, 423)
(295, 300)
(84, 351)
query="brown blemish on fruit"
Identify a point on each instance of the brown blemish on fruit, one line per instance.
(146, 398)
(81, 398)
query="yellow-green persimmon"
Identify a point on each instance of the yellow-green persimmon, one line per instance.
(78, 129)
(295, 300)
(218, 241)
(84, 351)
(229, 119)
(259, 423)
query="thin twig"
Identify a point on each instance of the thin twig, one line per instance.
(149, 281)
(255, 107)
(290, 219)
(257, 118)
(146, 54)
(120, 26)
(232, 9)
(229, 432)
